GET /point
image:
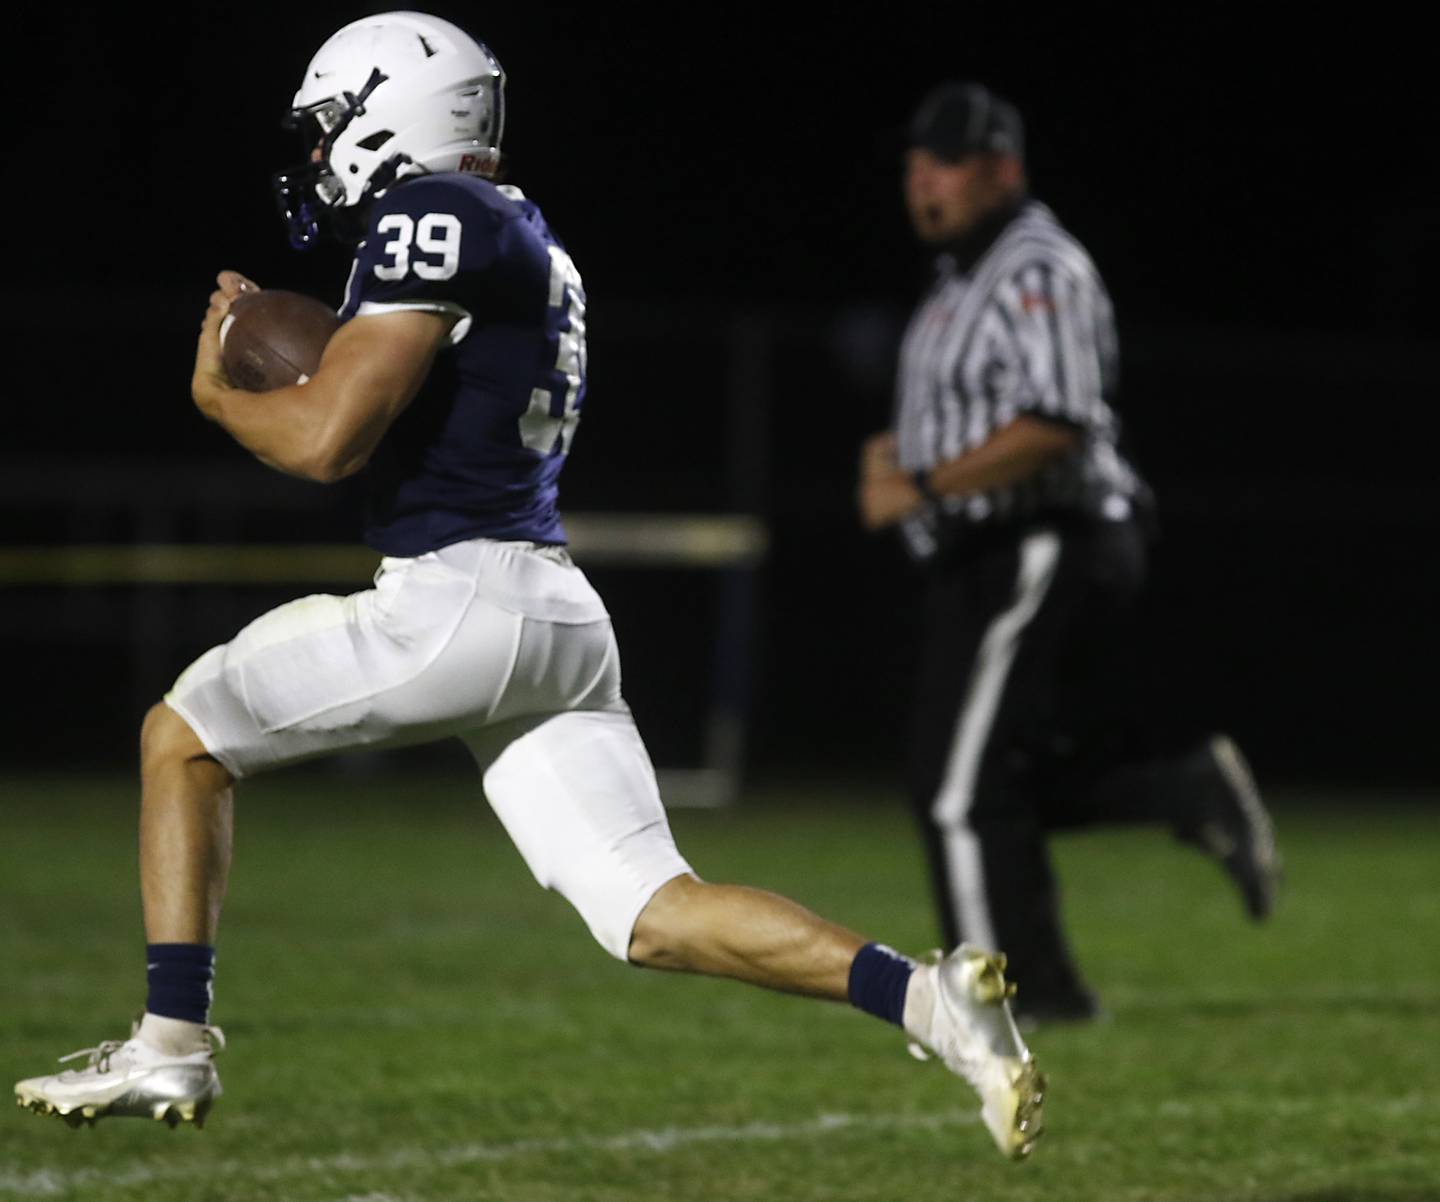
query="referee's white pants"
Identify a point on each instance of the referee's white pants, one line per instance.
(505, 646)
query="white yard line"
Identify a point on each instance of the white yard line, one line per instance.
(47, 1183)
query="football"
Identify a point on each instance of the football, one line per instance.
(272, 338)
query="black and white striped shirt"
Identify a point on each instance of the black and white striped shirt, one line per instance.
(1027, 329)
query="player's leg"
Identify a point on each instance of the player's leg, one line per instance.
(955, 1006)
(317, 675)
(165, 1069)
(577, 793)
(186, 831)
(578, 796)
(744, 934)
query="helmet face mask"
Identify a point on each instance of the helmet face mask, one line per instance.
(385, 97)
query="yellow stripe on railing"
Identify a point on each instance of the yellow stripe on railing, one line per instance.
(601, 540)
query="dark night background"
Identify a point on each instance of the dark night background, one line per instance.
(1255, 192)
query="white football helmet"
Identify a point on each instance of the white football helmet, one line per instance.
(387, 96)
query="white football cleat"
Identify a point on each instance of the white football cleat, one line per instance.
(128, 1078)
(971, 1029)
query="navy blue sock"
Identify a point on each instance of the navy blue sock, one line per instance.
(178, 977)
(879, 977)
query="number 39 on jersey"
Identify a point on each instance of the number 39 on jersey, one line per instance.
(416, 250)
(435, 234)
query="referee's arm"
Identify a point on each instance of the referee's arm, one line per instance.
(1015, 452)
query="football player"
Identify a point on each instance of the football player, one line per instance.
(456, 382)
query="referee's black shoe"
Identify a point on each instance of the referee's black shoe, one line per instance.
(1059, 1008)
(1224, 817)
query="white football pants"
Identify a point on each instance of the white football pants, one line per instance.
(505, 645)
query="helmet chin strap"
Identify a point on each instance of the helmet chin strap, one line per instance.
(384, 175)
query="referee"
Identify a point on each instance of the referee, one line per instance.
(1003, 477)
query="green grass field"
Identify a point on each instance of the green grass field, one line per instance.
(411, 1019)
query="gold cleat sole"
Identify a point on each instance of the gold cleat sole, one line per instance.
(170, 1113)
(1029, 1125)
(1022, 1120)
(72, 1117)
(988, 985)
(175, 1113)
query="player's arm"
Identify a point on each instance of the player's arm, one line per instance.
(328, 428)
(1015, 452)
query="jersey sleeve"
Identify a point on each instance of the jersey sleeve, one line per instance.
(1064, 340)
(429, 246)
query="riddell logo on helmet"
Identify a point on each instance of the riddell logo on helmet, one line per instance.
(473, 162)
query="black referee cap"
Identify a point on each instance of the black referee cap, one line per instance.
(959, 118)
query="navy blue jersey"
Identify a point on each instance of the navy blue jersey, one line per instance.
(478, 451)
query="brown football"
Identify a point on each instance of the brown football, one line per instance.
(271, 338)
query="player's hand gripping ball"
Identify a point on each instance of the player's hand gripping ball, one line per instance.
(272, 338)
